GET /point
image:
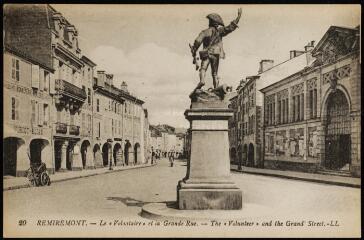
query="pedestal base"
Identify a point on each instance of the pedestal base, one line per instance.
(202, 199)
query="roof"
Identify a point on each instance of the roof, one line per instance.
(117, 93)
(88, 61)
(26, 56)
(166, 128)
(281, 71)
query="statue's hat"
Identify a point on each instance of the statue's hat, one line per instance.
(216, 18)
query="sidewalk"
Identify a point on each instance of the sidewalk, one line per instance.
(311, 177)
(11, 183)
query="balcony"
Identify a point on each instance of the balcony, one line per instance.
(74, 130)
(61, 128)
(68, 89)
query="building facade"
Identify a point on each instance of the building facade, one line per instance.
(233, 129)
(249, 122)
(27, 116)
(312, 118)
(52, 113)
(118, 124)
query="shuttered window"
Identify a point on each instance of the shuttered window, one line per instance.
(15, 69)
(35, 76)
(40, 114)
(14, 108)
(33, 118)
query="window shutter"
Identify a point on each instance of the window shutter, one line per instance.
(16, 109)
(35, 76)
(32, 119)
(52, 83)
(41, 79)
(40, 114)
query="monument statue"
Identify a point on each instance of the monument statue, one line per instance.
(211, 38)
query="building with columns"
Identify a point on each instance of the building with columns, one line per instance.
(312, 117)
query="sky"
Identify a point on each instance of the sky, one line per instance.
(147, 45)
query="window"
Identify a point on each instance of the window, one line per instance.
(14, 109)
(15, 69)
(46, 80)
(45, 114)
(119, 127)
(59, 116)
(115, 106)
(72, 119)
(33, 119)
(293, 108)
(112, 127)
(313, 103)
(98, 105)
(99, 129)
(89, 122)
(89, 96)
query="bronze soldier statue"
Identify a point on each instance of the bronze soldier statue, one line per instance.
(211, 38)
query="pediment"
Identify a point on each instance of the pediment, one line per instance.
(337, 42)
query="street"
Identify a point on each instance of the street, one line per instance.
(121, 195)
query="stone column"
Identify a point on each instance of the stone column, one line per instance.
(207, 184)
(64, 156)
(77, 159)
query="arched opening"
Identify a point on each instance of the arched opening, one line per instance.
(126, 152)
(69, 156)
(85, 149)
(232, 155)
(136, 153)
(36, 147)
(105, 154)
(337, 132)
(245, 155)
(250, 155)
(117, 154)
(97, 155)
(10, 154)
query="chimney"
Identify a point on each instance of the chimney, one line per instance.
(308, 49)
(124, 87)
(109, 79)
(295, 53)
(265, 64)
(101, 78)
(309, 46)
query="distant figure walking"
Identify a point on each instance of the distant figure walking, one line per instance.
(171, 158)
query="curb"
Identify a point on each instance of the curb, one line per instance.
(76, 177)
(353, 185)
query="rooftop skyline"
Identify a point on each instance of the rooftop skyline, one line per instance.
(147, 46)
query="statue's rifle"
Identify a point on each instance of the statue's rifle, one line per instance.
(195, 59)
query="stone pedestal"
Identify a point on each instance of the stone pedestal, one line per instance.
(207, 184)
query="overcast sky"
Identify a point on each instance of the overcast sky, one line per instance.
(147, 45)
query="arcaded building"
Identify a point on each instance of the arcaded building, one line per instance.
(119, 120)
(51, 113)
(312, 119)
(27, 119)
